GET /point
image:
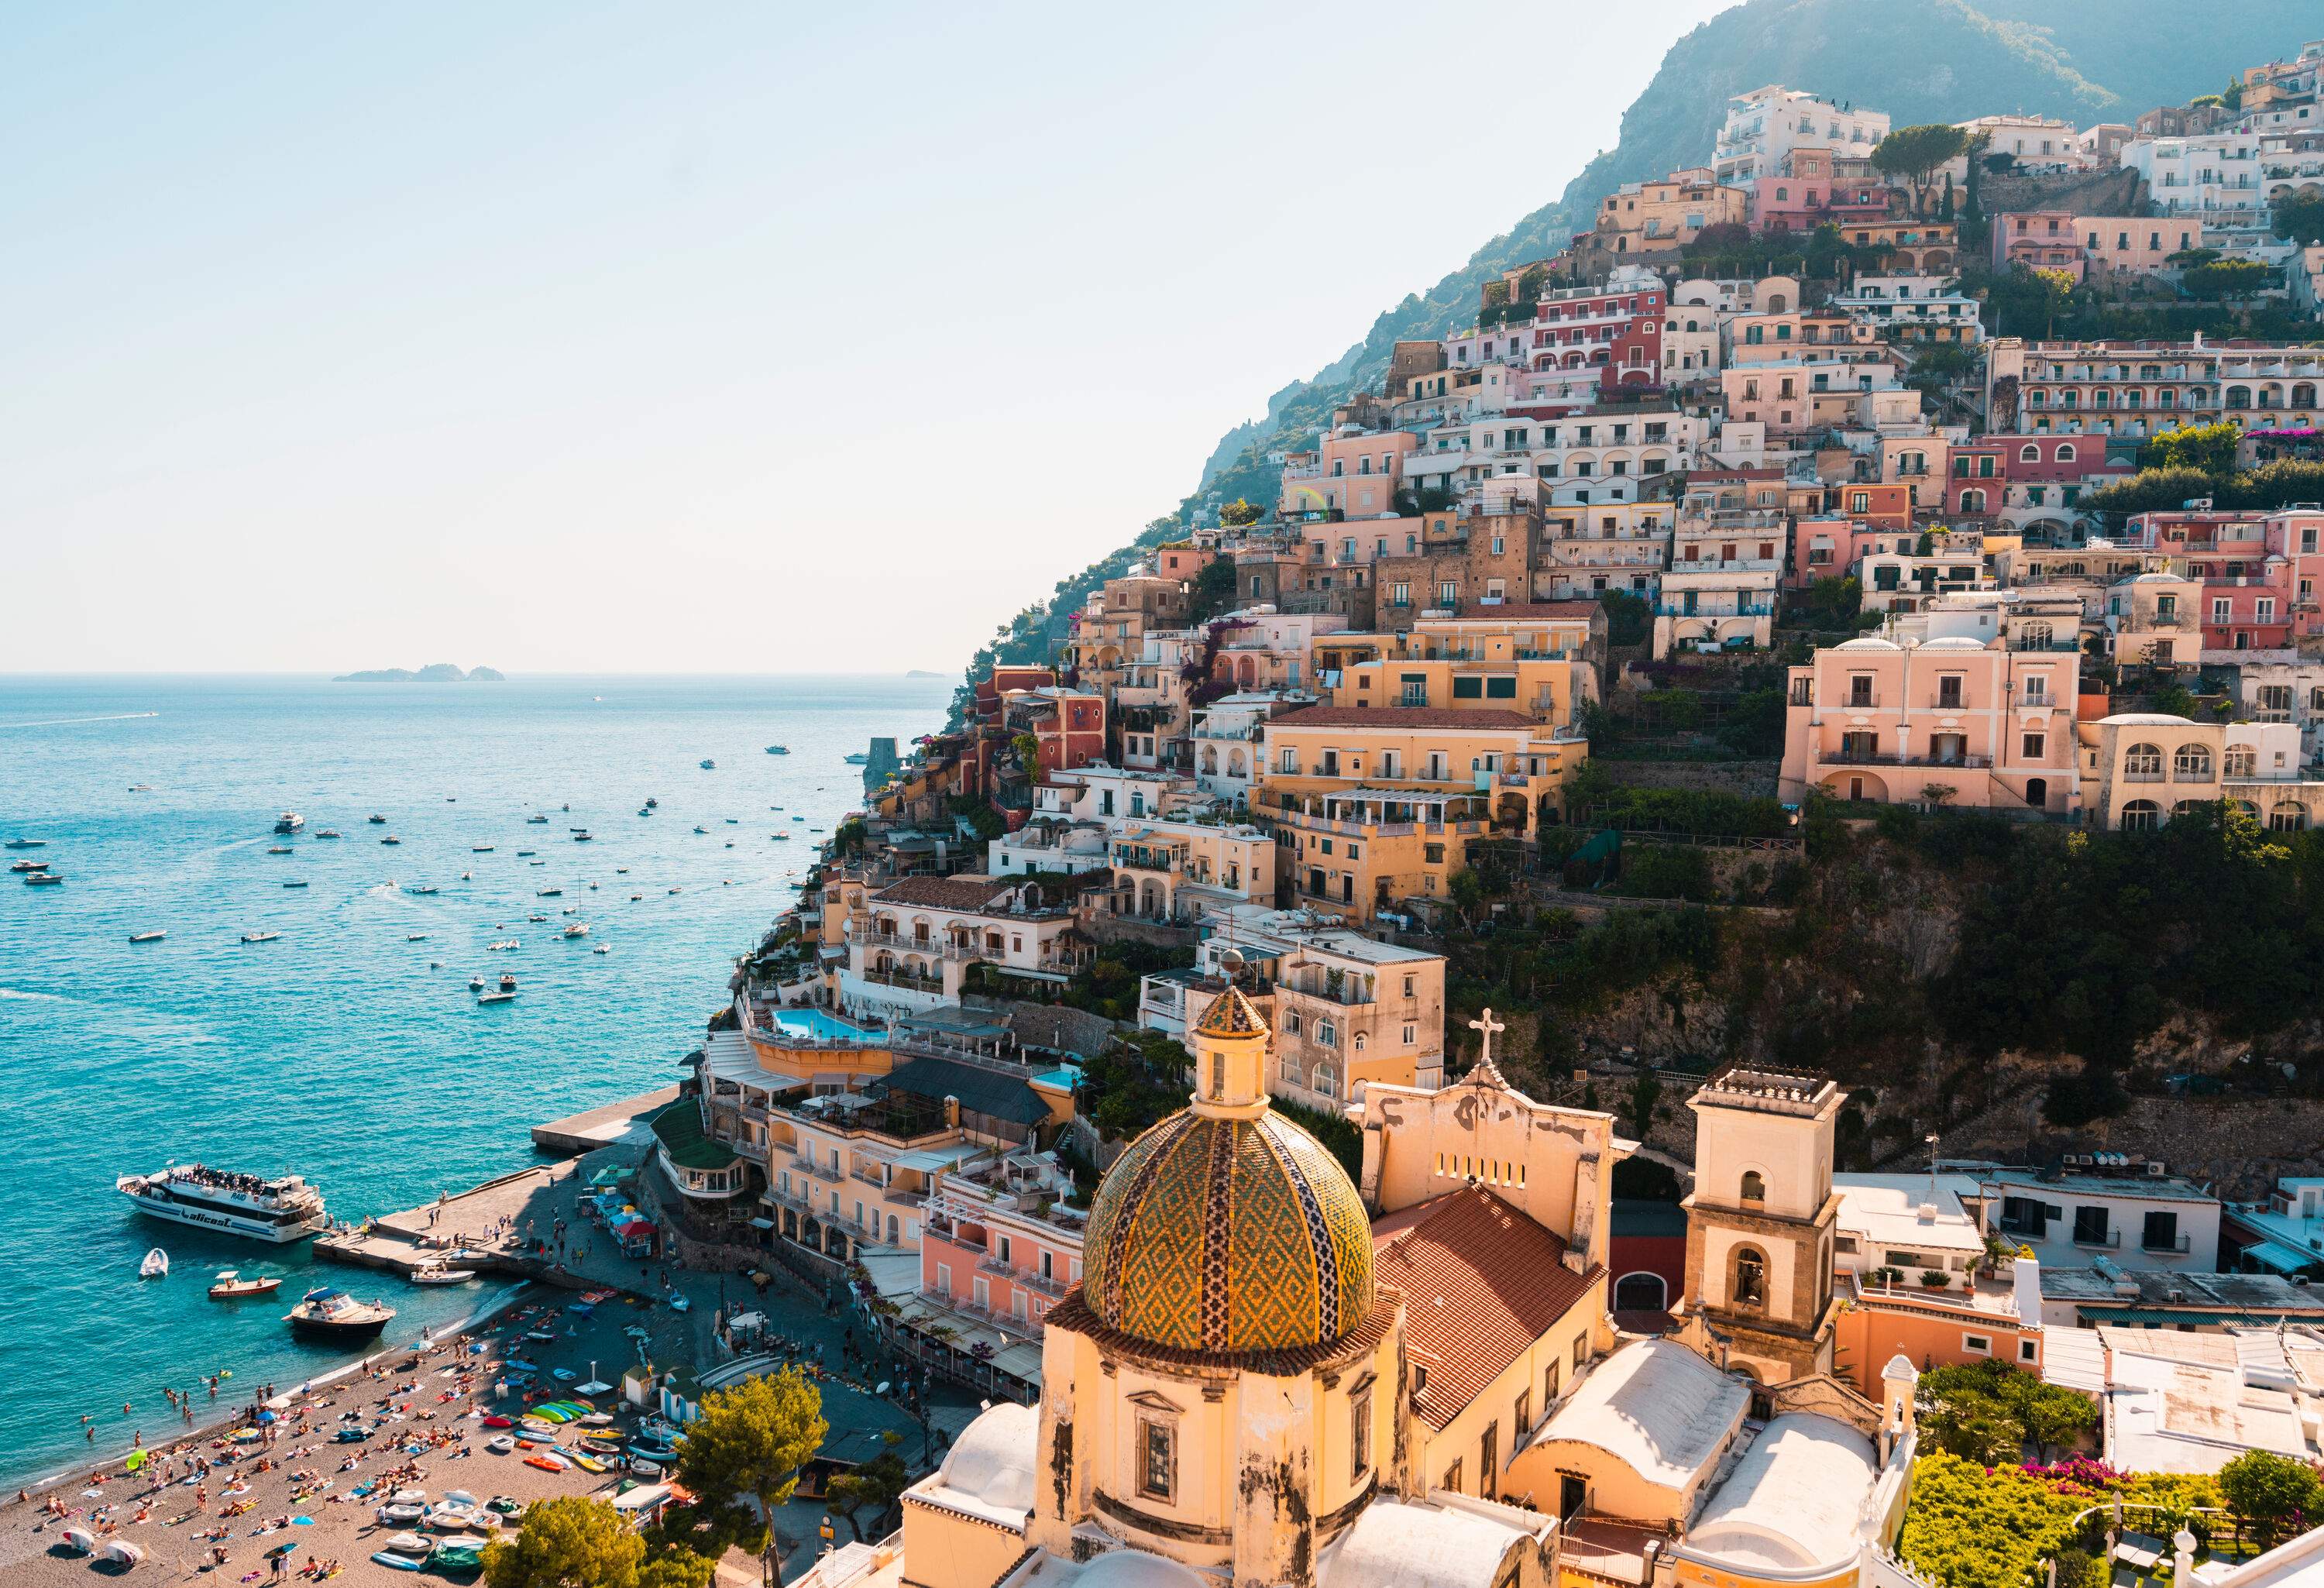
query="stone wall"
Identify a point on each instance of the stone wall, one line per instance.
(2117, 191)
(1749, 779)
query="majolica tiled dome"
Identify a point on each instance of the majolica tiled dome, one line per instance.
(1227, 1235)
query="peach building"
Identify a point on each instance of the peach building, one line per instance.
(1666, 215)
(1355, 471)
(2140, 769)
(999, 1247)
(2084, 244)
(911, 943)
(1951, 718)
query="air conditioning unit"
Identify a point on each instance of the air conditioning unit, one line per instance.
(2156, 1171)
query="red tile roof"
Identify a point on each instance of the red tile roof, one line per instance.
(946, 892)
(1400, 717)
(1482, 1281)
(1521, 611)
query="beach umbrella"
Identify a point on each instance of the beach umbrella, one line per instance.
(136, 1459)
(266, 1417)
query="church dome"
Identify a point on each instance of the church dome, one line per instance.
(1228, 1232)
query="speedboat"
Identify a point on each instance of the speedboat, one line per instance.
(584, 837)
(652, 802)
(328, 833)
(297, 884)
(28, 865)
(780, 838)
(508, 982)
(391, 839)
(536, 821)
(289, 821)
(260, 936)
(480, 849)
(778, 750)
(415, 936)
(535, 918)
(733, 821)
(156, 1265)
(230, 1286)
(439, 1273)
(476, 984)
(526, 854)
(377, 819)
(709, 765)
(147, 936)
(279, 849)
(550, 893)
(601, 948)
(858, 759)
(495, 997)
(420, 889)
(26, 844)
(325, 1314)
(278, 1210)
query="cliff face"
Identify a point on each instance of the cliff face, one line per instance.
(1920, 60)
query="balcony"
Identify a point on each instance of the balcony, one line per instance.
(2167, 1245)
(905, 980)
(2097, 1240)
(1885, 758)
(1739, 609)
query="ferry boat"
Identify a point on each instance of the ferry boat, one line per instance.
(289, 821)
(280, 1210)
(325, 1314)
(26, 844)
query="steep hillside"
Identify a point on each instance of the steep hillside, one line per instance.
(1920, 60)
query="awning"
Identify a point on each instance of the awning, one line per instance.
(762, 1223)
(2279, 1259)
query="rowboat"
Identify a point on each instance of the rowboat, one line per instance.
(230, 1286)
(156, 1265)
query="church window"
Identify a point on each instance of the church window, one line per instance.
(1360, 1436)
(1157, 1461)
(1755, 1186)
(1750, 1287)
(1218, 1074)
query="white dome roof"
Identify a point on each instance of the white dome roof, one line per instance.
(2146, 719)
(1868, 642)
(1953, 642)
(1134, 1568)
(2154, 578)
(993, 1462)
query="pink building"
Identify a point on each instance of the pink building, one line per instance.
(1951, 719)
(1832, 546)
(1616, 329)
(2045, 471)
(1357, 471)
(1805, 192)
(2260, 573)
(997, 1250)
(2059, 239)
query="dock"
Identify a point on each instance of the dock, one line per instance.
(603, 1125)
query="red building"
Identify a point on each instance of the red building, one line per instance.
(2024, 471)
(2259, 572)
(1069, 725)
(1005, 680)
(1617, 330)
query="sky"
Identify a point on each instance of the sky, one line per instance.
(696, 338)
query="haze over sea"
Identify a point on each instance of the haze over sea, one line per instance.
(336, 1051)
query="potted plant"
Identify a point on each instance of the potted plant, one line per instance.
(1935, 1279)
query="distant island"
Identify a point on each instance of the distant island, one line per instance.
(921, 672)
(435, 672)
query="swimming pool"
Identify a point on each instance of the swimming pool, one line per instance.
(821, 1027)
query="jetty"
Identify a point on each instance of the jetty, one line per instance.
(603, 1125)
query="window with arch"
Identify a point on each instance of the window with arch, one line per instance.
(1747, 1287)
(1640, 1292)
(2191, 763)
(1327, 1032)
(2142, 761)
(1754, 1186)
(2141, 816)
(2029, 453)
(2288, 817)
(1359, 1042)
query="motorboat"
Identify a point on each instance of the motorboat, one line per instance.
(28, 865)
(289, 821)
(298, 884)
(635, 896)
(620, 871)
(230, 1286)
(441, 1273)
(584, 837)
(733, 821)
(577, 930)
(780, 838)
(260, 936)
(278, 1210)
(26, 844)
(526, 854)
(677, 890)
(508, 982)
(643, 811)
(377, 819)
(391, 839)
(328, 833)
(601, 948)
(415, 936)
(858, 759)
(778, 750)
(156, 1265)
(504, 945)
(550, 893)
(536, 821)
(279, 849)
(325, 1314)
(536, 919)
(423, 889)
(701, 829)
(480, 849)
(652, 802)
(147, 936)
(495, 997)
(476, 984)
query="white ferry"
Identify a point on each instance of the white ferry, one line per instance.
(280, 1210)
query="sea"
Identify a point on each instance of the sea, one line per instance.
(349, 1049)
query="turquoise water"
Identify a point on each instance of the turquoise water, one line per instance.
(336, 1051)
(813, 1022)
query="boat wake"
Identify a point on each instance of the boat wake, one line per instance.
(58, 722)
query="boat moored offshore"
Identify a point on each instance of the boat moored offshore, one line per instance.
(325, 1314)
(289, 821)
(280, 1210)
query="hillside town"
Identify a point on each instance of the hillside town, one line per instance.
(1111, 1061)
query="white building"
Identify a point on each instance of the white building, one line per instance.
(2031, 140)
(1764, 125)
(2215, 177)
(2138, 1216)
(1916, 306)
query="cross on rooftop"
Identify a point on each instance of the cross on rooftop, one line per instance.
(1485, 1026)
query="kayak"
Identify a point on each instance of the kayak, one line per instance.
(547, 1462)
(395, 1561)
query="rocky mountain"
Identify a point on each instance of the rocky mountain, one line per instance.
(435, 672)
(1920, 60)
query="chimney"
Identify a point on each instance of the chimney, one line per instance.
(952, 1113)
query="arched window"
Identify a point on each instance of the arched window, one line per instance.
(2066, 452)
(2029, 453)
(2191, 763)
(1755, 1186)
(2288, 817)
(2141, 816)
(1972, 501)
(2142, 761)
(1749, 1287)
(1359, 1041)
(2187, 808)
(1640, 1292)
(1774, 303)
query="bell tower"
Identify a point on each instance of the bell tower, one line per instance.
(1760, 1223)
(1229, 1043)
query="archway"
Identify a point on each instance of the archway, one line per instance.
(1641, 1292)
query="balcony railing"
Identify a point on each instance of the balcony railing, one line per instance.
(905, 980)
(2105, 1240)
(1885, 758)
(2178, 1243)
(1739, 609)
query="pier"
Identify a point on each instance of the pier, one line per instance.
(602, 1126)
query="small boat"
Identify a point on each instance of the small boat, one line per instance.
(501, 1444)
(584, 837)
(601, 948)
(503, 946)
(635, 896)
(778, 750)
(325, 1314)
(420, 890)
(495, 997)
(412, 1544)
(415, 936)
(733, 821)
(147, 936)
(651, 802)
(508, 982)
(289, 821)
(678, 1301)
(28, 865)
(328, 833)
(279, 849)
(394, 1563)
(260, 936)
(123, 1553)
(577, 930)
(620, 871)
(230, 1286)
(436, 1273)
(709, 765)
(677, 890)
(26, 844)
(798, 818)
(298, 884)
(480, 849)
(476, 984)
(548, 1462)
(536, 821)
(391, 839)
(858, 759)
(643, 811)
(780, 838)
(377, 820)
(550, 893)
(156, 1265)
(701, 829)
(535, 918)
(141, 788)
